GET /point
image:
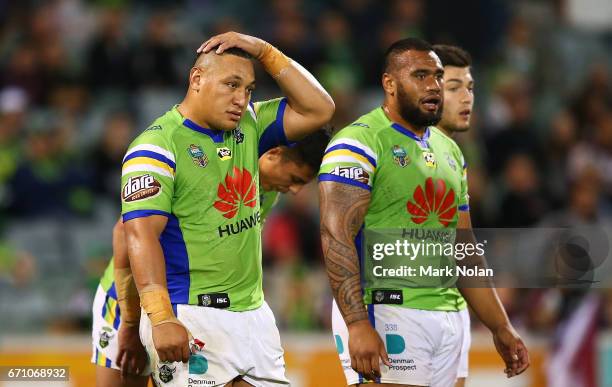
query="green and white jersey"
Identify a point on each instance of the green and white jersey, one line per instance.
(206, 182)
(415, 183)
(107, 281)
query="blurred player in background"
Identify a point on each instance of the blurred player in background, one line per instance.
(458, 105)
(392, 169)
(281, 169)
(192, 217)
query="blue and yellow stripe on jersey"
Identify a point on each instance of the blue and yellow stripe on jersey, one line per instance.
(102, 360)
(351, 151)
(110, 310)
(149, 158)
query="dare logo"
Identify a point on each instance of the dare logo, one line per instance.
(140, 188)
(433, 200)
(353, 173)
(239, 187)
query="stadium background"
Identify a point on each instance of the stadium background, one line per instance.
(80, 79)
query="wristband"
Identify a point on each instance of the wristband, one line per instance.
(155, 300)
(127, 297)
(273, 60)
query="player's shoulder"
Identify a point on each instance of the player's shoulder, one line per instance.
(439, 135)
(365, 129)
(161, 131)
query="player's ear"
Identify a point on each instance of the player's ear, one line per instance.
(389, 84)
(195, 79)
(274, 153)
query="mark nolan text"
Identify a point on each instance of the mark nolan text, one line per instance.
(429, 271)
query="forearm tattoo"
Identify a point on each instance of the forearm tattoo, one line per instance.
(343, 208)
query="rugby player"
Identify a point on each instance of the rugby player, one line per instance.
(193, 223)
(393, 169)
(458, 105)
(281, 169)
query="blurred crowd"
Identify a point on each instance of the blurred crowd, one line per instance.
(79, 80)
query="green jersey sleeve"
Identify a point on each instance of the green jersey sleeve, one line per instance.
(464, 197)
(350, 158)
(269, 123)
(147, 177)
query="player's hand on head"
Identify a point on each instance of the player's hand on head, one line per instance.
(132, 356)
(367, 350)
(171, 341)
(222, 42)
(512, 350)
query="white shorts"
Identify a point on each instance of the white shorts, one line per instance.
(423, 346)
(106, 320)
(234, 344)
(465, 347)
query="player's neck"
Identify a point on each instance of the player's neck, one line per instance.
(188, 110)
(394, 116)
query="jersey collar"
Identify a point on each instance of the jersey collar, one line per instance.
(215, 135)
(421, 140)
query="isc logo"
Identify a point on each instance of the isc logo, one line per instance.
(140, 187)
(395, 296)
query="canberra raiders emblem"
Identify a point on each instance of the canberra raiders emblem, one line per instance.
(400, 157)
(238, 135)
(197, 155)
(166, 372)
(106, 335)
(379, 296)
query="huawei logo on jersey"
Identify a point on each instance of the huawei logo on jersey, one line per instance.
(435, 199)
(239, 187)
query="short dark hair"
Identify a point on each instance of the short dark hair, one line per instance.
(402, 46)
(453, 55)
(310, 149)
(231, 51)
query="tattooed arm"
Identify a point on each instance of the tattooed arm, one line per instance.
(343, 209)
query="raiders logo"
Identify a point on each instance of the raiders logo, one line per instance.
(140, 188)
(166, 372)
(379, 296)
(106, 335)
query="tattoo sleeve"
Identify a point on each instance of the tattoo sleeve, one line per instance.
(343, 209)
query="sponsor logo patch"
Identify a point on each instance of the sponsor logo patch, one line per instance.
(198, 156)
(153, 127)
(140, 188)
(238, 135)
(432, 200)
(430, 159)
(353, 173)
(224, 153)
(400, 157)
(239, 188)
(388, 297)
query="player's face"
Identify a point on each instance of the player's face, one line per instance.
(277, 173)
(458, 98)
(419, 83)
(225, 91)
